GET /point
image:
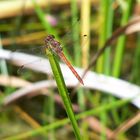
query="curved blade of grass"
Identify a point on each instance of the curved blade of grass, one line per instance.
(63, 91)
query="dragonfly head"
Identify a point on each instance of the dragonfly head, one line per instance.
(49, 38)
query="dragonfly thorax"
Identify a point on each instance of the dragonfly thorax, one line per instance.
(55, 43)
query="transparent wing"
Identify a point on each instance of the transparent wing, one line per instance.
(38, 50)
(23, 68)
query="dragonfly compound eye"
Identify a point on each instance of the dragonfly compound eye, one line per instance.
(52, 36)
(49, 38)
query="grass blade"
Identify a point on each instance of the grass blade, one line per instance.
(63, 91)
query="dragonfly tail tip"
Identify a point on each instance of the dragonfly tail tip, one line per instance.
(82, 82)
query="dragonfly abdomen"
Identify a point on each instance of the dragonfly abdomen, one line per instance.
(71, 68)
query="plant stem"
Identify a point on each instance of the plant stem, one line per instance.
(121, 42)
(63, 91)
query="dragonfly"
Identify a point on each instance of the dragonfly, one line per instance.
(55, 46)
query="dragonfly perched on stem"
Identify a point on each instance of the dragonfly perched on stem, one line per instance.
(55, 46)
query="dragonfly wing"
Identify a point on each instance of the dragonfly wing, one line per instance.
(22, 69)
(38, 50)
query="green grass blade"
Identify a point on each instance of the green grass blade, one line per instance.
(108, 18)
(75, 33)
(121, 41)
(136, 63)
(63, 91)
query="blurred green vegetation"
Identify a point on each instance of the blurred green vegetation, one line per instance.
(44, 117)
